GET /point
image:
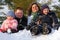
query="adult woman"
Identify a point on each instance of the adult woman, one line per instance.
(33, 12)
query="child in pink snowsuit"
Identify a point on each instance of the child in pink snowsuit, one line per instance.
(9, 23)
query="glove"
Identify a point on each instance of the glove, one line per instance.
(8, 30)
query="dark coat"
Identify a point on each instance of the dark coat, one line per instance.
(54, 17)
(55, 20)
(46, 19)
(50, 18)
(22, 23)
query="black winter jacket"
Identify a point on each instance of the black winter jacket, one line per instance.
(22, 23)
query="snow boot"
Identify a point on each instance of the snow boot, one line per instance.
(46, 29)
(36, 30)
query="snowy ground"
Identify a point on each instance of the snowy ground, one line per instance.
(25, 35)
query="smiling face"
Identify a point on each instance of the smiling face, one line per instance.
(34, 8)
(19, 13)
(45, 11)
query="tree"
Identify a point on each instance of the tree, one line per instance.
(19, 3)
(9, 3)
(49, 2)
(22, 3)
(57, 10)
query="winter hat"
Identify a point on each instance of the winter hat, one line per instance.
(44, 6)
(11, 13)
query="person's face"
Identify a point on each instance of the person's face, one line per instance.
(34, 8)
(45, 11)
(19, 13)
(9, 18)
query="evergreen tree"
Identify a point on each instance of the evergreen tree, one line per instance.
(19, 3)
(49, 2)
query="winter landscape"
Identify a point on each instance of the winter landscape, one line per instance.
(26, 35)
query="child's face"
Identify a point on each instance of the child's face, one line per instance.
(10, 17)
(34, 8)
(45, 11)
(19, 13)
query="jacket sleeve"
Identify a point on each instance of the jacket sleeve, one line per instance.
(4, 26)
(14, 25)
(25, 21)
(54, 17)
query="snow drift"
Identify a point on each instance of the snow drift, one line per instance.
(26, 35)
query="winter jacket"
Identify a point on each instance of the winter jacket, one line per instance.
(21, 23)
(54, 17)
(32, 17)
(50, 18)
(12, 24)
(46, 19)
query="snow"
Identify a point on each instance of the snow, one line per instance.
(5, 10)
(26, 35)
(21, 35)
(53, 3)
(29, 19)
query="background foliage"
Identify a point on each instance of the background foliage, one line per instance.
(25, 3)
(19, 3)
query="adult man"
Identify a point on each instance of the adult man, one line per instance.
(22, 20)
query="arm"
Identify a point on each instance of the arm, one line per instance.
(55, 20)
(14, 25)
(54, 17)
(4, 26)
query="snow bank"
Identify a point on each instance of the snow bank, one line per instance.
(26, 35)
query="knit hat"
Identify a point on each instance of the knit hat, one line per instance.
(11, 13)
(44, 6)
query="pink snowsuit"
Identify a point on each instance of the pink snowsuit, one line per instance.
(12, 24)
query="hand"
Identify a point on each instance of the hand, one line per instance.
(37, 22)
(0, 30)
(8, 30)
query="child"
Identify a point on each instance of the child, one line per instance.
(48, 18)
(45, 10)
(10, 24)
